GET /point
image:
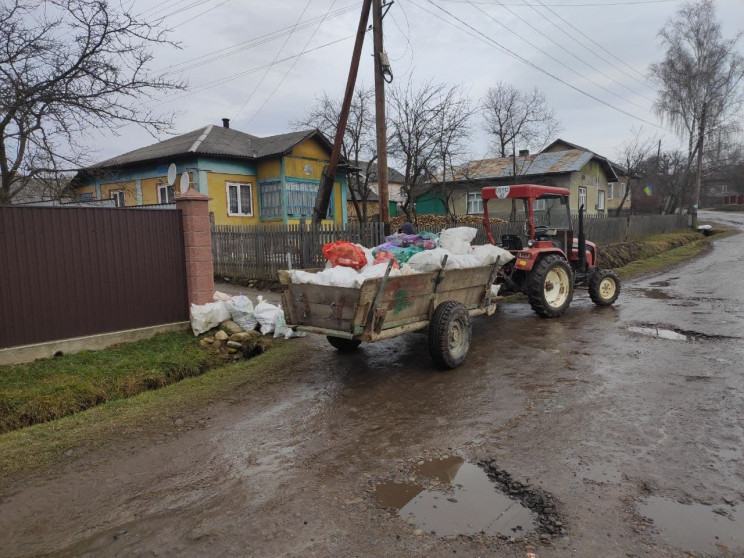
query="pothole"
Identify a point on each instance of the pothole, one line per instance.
(450, 496)
(675, 334)
(696, 527)
(659, 332)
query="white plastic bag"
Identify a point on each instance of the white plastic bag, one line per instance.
(206, 316)
(220, 296)
(458, 239)
(428, 260)
(487, 254)
(461, 261)
(266, 314)
(241, 310)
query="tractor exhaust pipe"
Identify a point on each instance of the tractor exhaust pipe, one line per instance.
(582, 241)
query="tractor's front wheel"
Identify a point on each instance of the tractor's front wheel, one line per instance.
(549, 286)
(450, 333)
(604, 287)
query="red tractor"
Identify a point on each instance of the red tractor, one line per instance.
(548, 260)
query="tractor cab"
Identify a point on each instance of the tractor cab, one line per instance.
(547, 225)
(548, 260)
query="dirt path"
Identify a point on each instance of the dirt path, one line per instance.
(603, 410)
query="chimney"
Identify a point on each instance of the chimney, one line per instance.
(225, 122)
(524, 152)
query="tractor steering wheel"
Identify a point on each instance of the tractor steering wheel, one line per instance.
(541, 230)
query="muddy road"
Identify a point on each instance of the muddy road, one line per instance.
(614, 432)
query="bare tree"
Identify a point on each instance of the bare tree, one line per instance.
(700, 80)
(632, 155)
(68, 67)
(518, 117)
(358, 148)
(428, 127)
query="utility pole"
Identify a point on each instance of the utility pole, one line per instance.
(326, 182)
(381, 67)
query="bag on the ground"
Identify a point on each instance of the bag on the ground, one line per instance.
(266, 314)
(242, 312)
(206, 316)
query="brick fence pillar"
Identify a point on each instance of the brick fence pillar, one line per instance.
(197, 242)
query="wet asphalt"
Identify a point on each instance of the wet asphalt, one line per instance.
(614, 412)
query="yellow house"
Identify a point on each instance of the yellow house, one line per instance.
(251, 180)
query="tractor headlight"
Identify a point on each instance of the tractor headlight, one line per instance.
(530, 243)
(525, 255)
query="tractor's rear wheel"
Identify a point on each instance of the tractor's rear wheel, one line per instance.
(549, 286)
(604, 287)
(344, 345)
(450, 333)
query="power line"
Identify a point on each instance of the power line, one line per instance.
(278, 52)
(587, 4)
(580, 32)
(535, 66)
(291, 67)
(556, 43)
(610, 91)
(252, 43)
(201, 14)
(227, 79)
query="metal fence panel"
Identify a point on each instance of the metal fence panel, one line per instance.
(69, 272)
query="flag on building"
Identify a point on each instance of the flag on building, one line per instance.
(648, 190)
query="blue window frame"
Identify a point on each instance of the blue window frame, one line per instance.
(270, 199)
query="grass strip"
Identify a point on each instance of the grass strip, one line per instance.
(148, 413)
(669, 258)
(49, 389)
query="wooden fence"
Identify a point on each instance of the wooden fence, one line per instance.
(259, 252)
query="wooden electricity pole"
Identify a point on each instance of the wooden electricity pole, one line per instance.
(326, 181)
(382, 166)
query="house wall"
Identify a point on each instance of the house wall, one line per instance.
(210, 175)
(129, 187)
(217, 186)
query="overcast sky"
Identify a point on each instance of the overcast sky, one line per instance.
(227, 44)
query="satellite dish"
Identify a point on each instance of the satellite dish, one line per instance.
(185, 182)
(172, 174)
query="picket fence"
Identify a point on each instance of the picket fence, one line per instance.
(259, 252)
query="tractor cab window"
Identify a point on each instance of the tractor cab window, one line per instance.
(552, 211)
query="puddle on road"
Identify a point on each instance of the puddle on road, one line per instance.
(468, 503)
(658, 332)
(696, 527)
(657, 294)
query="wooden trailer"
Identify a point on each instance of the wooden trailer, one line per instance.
(384, 307)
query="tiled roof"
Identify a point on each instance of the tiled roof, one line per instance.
(556, 162)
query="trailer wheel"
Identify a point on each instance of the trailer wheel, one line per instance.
(343, 345)
(450, 332)
(549, 286)
(604, 287)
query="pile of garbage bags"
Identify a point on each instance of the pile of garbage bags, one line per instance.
(349, 265)
(237, 313)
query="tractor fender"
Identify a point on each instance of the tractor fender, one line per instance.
(526, 259)
(591, 253)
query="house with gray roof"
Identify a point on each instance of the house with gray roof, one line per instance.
(250, 179)
(584, 173)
